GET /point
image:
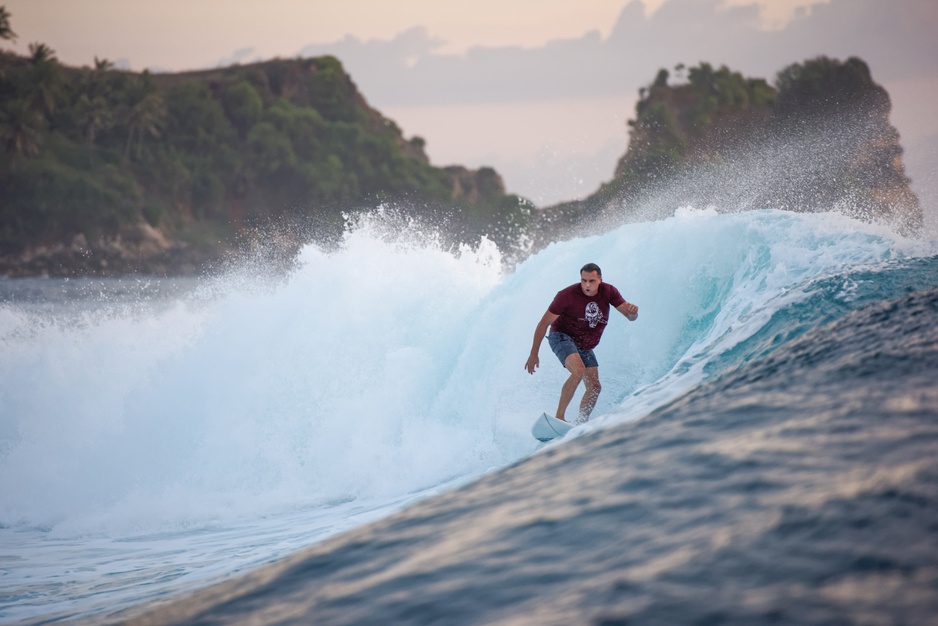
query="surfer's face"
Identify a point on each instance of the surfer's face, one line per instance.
(589, 282)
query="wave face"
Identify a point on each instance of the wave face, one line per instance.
(801, 488)
(385, 368)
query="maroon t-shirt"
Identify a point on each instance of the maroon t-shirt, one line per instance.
(584, 317)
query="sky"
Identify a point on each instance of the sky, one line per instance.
(541, 90)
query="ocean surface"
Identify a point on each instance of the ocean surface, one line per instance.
(349, 441)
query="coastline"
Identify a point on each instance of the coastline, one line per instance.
(137, 250)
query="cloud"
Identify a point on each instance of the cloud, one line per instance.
(381, 68)
(484, 106)
(238, 56)
(398, 52)
(896, 38)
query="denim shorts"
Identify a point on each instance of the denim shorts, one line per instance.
(563, 346)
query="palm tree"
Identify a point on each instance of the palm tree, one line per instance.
(45, 78)
(5, 31)
(20, 128)
(145, 117)
(102, 65)
(94, 110)
(94, 115)
(40, 53)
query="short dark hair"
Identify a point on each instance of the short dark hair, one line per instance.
(591, 267)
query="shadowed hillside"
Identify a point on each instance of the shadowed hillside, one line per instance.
(108, 171)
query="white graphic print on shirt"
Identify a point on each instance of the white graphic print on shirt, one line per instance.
(593, 315)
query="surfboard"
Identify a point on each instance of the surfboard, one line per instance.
(546, 428)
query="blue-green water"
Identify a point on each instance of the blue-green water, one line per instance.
(157, 436)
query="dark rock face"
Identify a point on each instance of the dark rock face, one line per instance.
(137, 249)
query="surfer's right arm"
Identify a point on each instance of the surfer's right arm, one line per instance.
(533, 361)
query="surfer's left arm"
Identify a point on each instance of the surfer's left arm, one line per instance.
(629, 310)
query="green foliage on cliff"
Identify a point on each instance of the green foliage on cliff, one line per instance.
(817, 140)
(673, 121)
(827, 87)
(88, 150)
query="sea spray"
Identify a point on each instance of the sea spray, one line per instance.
(159, 434)
(706, 282)
(246, 397)
(381, 366)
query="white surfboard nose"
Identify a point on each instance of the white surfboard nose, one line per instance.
(546, 428)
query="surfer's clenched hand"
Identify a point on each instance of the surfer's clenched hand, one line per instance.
(629, 310)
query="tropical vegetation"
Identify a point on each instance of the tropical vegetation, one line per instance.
(205, 156)
(819, 139)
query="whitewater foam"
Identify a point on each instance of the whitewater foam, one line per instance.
(384, 367)
(201, 424)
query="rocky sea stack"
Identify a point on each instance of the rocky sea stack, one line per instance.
(820, 140)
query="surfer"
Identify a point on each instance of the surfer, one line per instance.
(577, 317)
